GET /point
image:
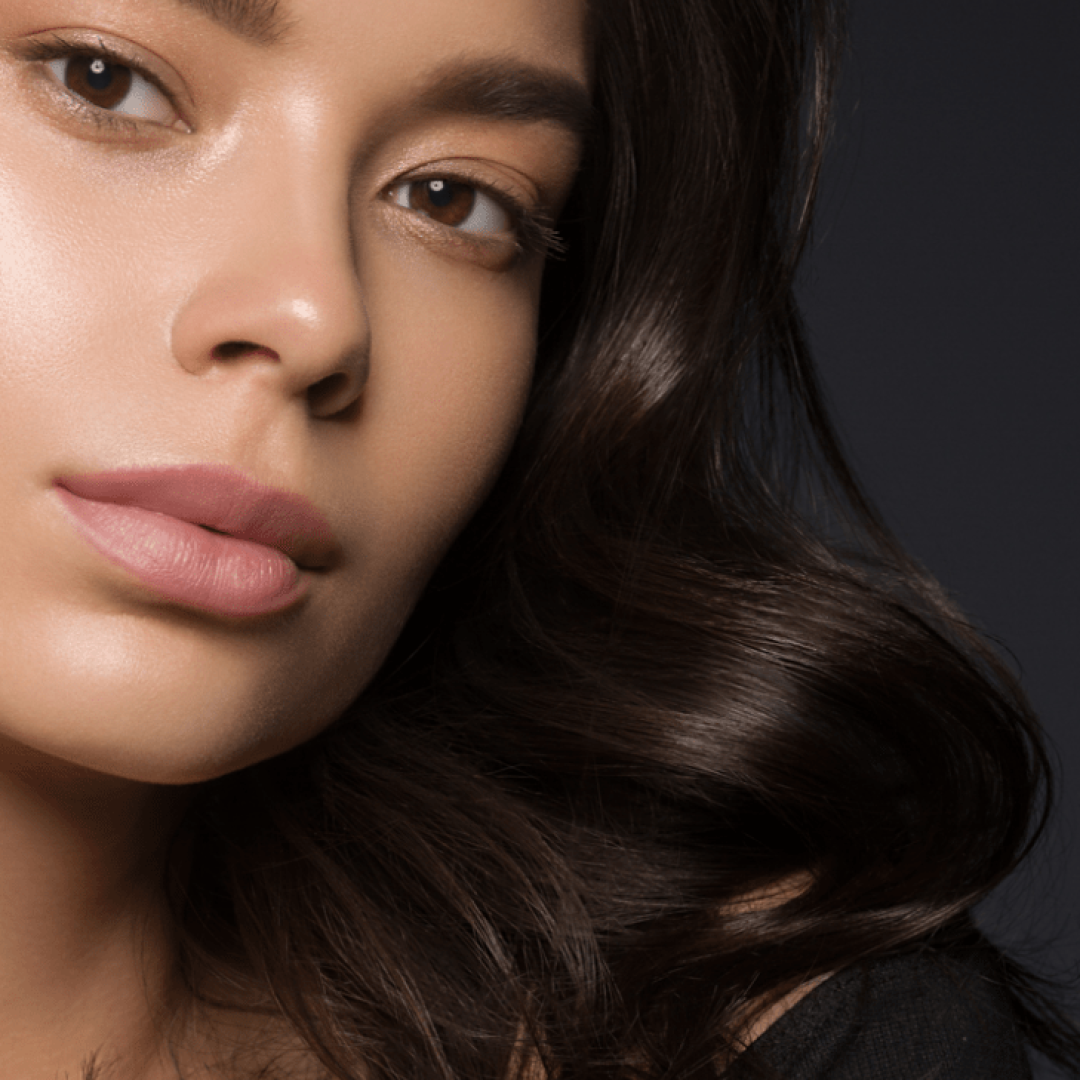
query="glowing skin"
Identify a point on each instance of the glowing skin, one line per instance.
(131, 261)
(243, 272)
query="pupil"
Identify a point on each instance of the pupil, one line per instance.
(99, 77)
(440, 192)
(102, 84)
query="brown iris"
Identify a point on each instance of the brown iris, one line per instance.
(447, 202)
(101, 83)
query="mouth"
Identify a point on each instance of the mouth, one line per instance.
(203, 536)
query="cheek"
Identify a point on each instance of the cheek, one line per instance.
(43, 278)
(452, 358)
(72, 257)
(450, 370)
(85, 376)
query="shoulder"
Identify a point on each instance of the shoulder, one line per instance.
(917, 1016)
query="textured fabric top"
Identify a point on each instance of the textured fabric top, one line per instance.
(919, 1016)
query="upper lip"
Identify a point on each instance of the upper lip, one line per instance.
(222, 499)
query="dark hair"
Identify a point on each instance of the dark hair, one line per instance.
(676, 661)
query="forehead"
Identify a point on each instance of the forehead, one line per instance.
(510, 59)
(540, 29)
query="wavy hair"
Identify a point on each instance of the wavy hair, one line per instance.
(676, 662)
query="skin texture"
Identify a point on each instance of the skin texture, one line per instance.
(384, 364)
(266, 224)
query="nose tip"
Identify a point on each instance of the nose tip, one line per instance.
(305, 325)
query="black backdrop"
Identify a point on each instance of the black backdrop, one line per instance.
(942, 294)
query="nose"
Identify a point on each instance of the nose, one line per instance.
(279, 295)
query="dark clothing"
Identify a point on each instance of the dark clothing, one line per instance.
(919, 1016)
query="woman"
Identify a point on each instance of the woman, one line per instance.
(379, 703)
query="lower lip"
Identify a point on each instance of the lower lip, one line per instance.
(186, 563)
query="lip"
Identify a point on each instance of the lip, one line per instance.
(156, 523)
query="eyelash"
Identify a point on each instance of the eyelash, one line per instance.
(59, 48)
(534, 232)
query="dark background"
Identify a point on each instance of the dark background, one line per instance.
(942, 294)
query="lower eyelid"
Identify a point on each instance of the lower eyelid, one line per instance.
(143, 90)
(493, 251)
(159, 88)
(528, 231)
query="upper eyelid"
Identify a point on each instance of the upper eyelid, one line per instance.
(532, 227)
(514, 206)
(521, 214)
(58, 46)
(534, 223)
(515, 203)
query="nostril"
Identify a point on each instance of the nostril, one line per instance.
(330, 395)
(233, 350)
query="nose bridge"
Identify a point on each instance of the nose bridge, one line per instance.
(277, 280)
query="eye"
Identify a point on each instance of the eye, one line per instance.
(455, 204)
(113, 87)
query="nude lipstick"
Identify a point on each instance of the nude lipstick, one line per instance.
(203, 536)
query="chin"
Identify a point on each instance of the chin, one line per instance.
(165, 748)
(154, 702)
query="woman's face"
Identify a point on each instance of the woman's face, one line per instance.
(268, 296)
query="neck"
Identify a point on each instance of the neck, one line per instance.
(85, 947)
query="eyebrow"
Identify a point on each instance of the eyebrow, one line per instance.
(495, 89)
(507, 90)
(260, 21)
